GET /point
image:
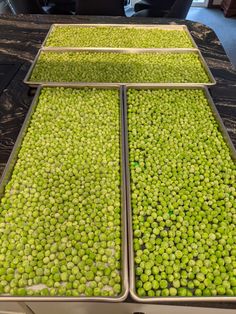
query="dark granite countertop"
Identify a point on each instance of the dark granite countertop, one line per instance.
(21, 37)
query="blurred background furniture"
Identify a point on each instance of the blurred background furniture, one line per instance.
(37, 6)
(229, 7)
(145, 8)
(60, 6)
(100, 7)
(163, 8)
(4, 7)
(25, 6)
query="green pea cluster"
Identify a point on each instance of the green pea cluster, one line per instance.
(119, 67)
(183, 196)
(60, 216)
(118, 37)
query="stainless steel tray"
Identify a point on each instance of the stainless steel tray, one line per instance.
(124, 256)
(129, 209)
(145, 26)
(129, 50)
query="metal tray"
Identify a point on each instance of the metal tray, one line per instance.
(124, 256)
(145, 26)
(129, 50)
(129, 209)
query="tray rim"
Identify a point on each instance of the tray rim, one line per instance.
(122, 51)
(232, 149)
(170, 27)
(124, 246)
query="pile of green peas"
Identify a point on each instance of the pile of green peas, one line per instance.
(110, 67)
(117, 37)
(183, 192)
(60, 215)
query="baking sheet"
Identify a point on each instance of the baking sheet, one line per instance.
(124, 256)
(138, 26)
(128, 51)
(129, 209)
